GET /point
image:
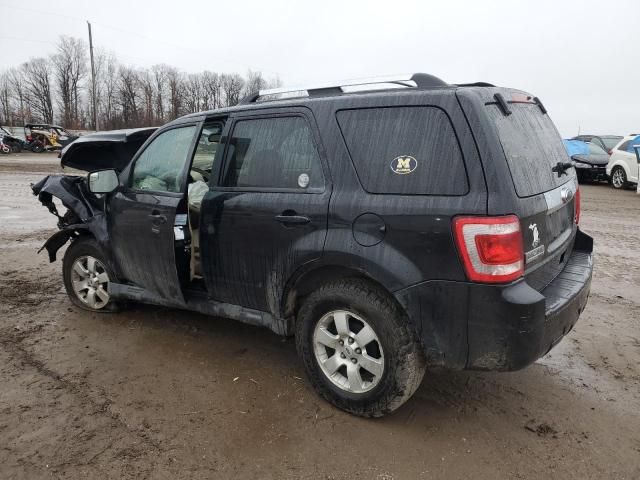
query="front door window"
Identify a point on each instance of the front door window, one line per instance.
(161, 167)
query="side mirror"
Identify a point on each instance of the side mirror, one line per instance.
(102, 181)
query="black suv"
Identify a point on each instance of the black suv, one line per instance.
(388, 224)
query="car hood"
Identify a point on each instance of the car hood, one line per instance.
(593, 159)
(102, 150)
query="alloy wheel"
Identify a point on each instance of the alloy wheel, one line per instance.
(348, 351)
(617, 178)
(90, 280)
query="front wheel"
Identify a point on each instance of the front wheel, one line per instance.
(618, 177)
(358, 348)
(87, 275)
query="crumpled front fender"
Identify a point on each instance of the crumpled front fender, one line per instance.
(88, 211)
(58, 239)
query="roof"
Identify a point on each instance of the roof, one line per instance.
(290, 96)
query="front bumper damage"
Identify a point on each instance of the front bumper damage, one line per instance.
(85, 210)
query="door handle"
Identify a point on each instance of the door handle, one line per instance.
(292, 219)
(157, 218)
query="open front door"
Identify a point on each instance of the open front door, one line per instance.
(143, 225)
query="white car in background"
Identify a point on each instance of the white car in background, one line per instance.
(622, 168)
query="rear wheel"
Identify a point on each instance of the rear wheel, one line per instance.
(87, 275)
(37, 147)
(358, 348)
(619, 177)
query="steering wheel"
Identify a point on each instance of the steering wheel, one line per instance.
(204, 173)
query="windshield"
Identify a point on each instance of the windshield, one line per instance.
(532, 147)
(596, 149)
(610, 142)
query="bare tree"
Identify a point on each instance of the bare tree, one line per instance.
(129, 96)
(254, 83)
(232, 88)
(160, 78)
(147, 85)
(109, 85)
(69, 70)
(6, 112)
(193, 92)
(41, 90)
(37, 81)
(212, 90)
(176, 92)
(22, 111)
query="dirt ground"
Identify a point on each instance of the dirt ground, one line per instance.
(159, 393)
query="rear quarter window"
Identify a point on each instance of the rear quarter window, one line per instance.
(404, 150)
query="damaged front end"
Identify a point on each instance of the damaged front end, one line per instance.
(84, 215)
(86, 210)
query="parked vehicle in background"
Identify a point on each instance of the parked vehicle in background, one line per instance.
(623, 165)
(42, 136)
(606, 142)
(590, 160)
(406, 224)
(14, 143)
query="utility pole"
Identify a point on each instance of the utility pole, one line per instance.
(93, 81)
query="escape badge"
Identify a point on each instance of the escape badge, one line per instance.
(403, 164)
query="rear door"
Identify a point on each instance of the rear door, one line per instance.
(522, 148)
(268, 214)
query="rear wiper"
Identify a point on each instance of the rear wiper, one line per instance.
(562, 167)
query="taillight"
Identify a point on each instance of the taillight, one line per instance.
(577, 206)
(29, 138)
(490, 248)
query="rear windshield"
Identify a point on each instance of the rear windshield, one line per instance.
(532, 146)
(611, 142)
(404, 150)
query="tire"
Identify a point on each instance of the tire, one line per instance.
(395, 354)
(83, 270)
(619, 178)
(37, 147)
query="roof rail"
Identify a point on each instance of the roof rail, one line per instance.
(415, 80)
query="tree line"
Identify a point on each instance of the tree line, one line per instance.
(58, 89)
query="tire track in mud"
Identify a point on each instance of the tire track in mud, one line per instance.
(93, 434)
(83, 430)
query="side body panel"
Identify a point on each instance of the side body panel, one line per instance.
(410, 235)
(248, 252)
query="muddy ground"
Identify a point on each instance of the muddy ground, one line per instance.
(159, 393)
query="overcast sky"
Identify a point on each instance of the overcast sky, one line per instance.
(582, 58)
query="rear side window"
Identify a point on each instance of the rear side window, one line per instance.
(532, 146)
(404, 150)
(274, 152)
(624, 146)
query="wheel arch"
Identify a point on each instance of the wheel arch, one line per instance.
(306, 280)
(622, 164)
(56, 241)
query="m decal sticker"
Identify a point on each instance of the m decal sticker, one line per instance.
(403, 164)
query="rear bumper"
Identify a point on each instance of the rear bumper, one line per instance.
(499, 327)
